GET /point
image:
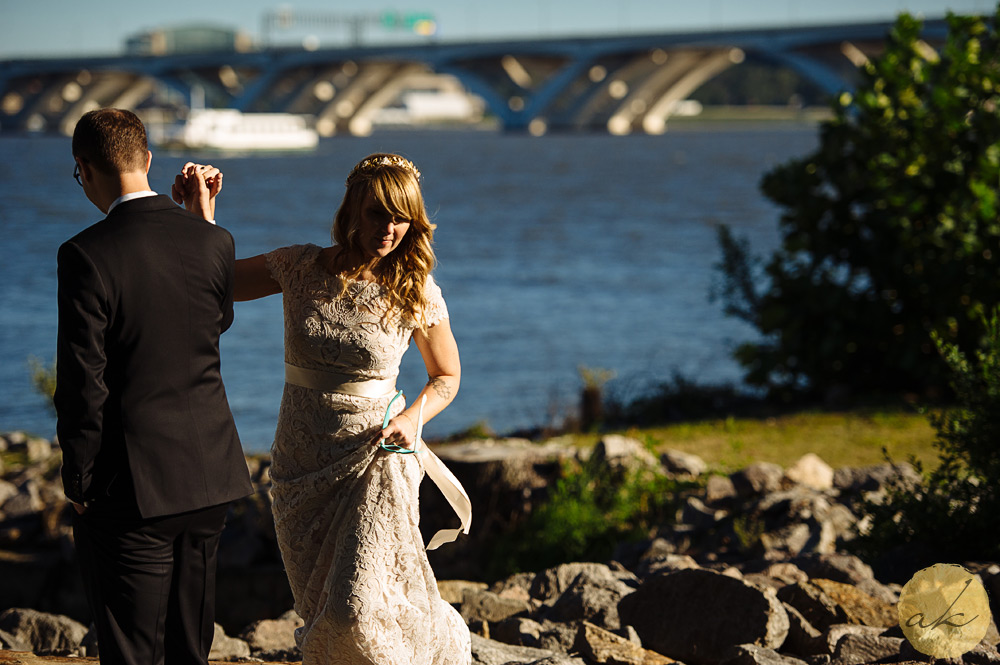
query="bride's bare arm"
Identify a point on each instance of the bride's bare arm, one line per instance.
(253, 279)
(440, 353)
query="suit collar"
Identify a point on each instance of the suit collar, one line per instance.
(131, 196)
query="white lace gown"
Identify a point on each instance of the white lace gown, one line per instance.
(345, 511)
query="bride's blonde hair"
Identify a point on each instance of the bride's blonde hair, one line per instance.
(394, 182)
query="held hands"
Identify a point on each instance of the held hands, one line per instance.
(196, 187)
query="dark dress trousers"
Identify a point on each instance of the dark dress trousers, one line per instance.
(148, 439)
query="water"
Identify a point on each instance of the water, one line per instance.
(555, 253)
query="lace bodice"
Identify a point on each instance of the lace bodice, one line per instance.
(348, 334)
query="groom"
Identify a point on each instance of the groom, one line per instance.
(151, 457)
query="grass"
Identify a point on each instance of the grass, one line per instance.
(839, 438)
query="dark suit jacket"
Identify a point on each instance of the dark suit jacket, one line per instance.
(143, 419)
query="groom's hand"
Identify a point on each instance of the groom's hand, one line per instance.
(196, 187)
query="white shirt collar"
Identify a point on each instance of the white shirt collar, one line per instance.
(128, 197)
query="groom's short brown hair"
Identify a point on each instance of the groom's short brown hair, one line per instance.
(112, 140)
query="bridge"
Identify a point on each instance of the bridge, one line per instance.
(620, 84)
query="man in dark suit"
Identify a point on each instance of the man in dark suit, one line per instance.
(151, 457)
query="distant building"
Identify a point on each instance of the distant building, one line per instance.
(188, 39)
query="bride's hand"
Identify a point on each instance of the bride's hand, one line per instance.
(399, 432)
(196, 187)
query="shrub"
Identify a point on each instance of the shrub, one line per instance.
(890, 229)
(588, 512)
(954, 514)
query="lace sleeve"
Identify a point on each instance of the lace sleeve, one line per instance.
(436, 309)
(282, 262)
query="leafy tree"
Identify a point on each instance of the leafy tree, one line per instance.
(890, 230)
(954, 514)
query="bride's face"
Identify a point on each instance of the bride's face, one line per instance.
(379, 233)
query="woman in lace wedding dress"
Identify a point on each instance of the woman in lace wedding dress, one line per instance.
(345, 509)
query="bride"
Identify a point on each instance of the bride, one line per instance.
(345, 507)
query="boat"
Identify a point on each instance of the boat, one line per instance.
(230, 130)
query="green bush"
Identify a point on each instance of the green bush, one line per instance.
(954, 514)
(43, 379)
(890, 229)
(588, 512)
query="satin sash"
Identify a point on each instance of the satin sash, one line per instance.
(333, 382)
(445, 480)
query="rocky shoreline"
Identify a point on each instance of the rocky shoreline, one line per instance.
(753, 570)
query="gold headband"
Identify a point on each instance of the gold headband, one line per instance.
(372, 163)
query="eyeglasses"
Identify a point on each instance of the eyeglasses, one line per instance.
(392, 447)
(76, 174)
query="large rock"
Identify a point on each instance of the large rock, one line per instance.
(605, 648)
(621, 453)
(810, 470)
(592, 596)
(679, 463)
(490, 652)
(858, 606)
(453, 591)
(756, 479)
(226, 648)
(838, 567)
(855, 649)
(549, 584)
(697, 616)
(817, 607)
(752, 654)
(873, 478)
(46, 633)
(482, 605)
(273, 634)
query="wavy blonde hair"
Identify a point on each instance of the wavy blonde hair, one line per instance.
(394, 183)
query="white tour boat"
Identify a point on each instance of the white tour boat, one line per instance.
(230, 130)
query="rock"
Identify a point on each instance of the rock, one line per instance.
(786, 572)
(858, 649)
(273, 634)
(487, 606)
(47, 634)
(593, 596)
(12, 643)
(453, 591)
(758, 478)
(490, 652)
(697, 615)
(516, 587)
(550, 583)
(696, 514)
(834, 634)
(790, 539)
(817, 607)
(622, 453)
(7, 490)
(858, 606)
(752, 654)
(682, 464)
(26, 502)
(520, 631)
(810, 470)
(557, 636)
(605, 648)
(873, 478)
(666, 563)
(719, 489)
(803, 639)
(227, 648)
(38, 450)
(845, 568)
